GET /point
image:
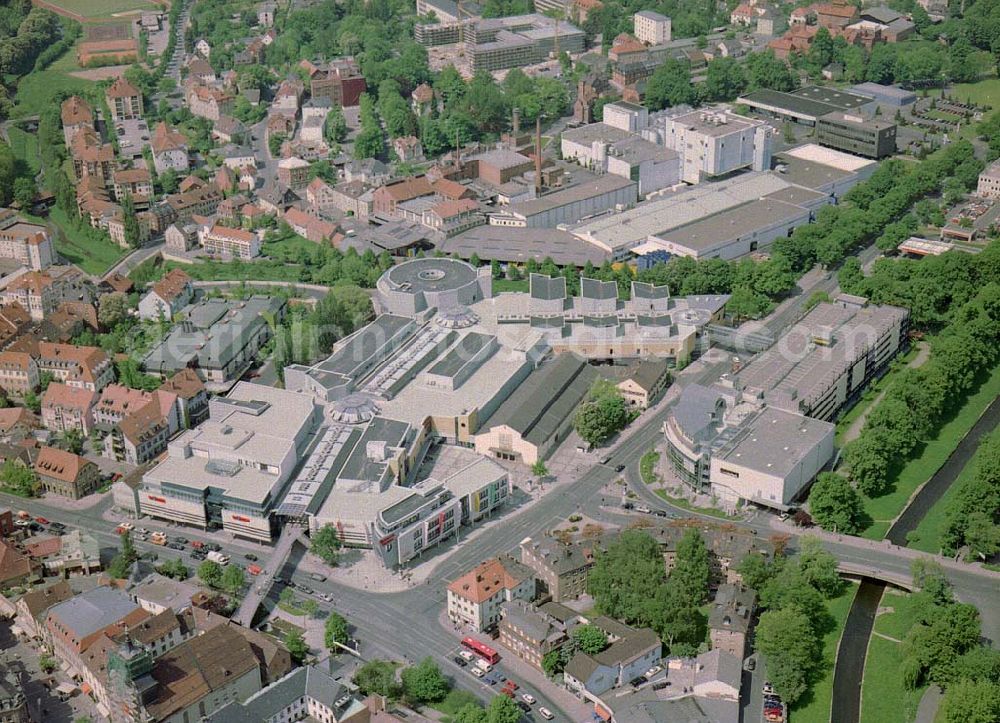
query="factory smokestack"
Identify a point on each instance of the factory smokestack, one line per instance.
(516, 122)
(538, 155)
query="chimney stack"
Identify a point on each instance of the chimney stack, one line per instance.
(538, 155)
(516, 123)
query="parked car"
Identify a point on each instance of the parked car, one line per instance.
(511, 685)
(213, 546)
(545, 713)
(620, 468)
(175, 546)
(198, 555)
(181, 540)
(41, 521)
(250, 556)
(459, 662)
(197, 544)
(653, 671)
(642, 508)
(477, 672)
(768, 689)
(528, 698)
(57, 526)
(660, 513)
(466, 655)
(305, 590)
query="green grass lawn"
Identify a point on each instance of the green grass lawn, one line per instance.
(883, 510)
(871, 394)
(105, 8)
(685, 504)
(94, 256)
(290, 249)
(983, 92)
(25, 147)
(500, 285)
(230, 271)
(815, 708)
(927, 536)
(37, 90)
(647, 467)
(883, 697)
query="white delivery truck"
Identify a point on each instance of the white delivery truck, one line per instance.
(218, 557)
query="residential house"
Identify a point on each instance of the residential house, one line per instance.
(76, 553)
(33, 605)
(452, 217)
(36, 291)
(311, 692)
(311, 227)
(16, 424)
(16, 568)
(367, 170)
(91, 157)
(532, 632)
(65, 408)
(158, 593)
(202, 200)
(201, 675)
(276, 199)
(265, 14)
(730, 619)
(475, 598)
(630, 653)
(139, 437)
(66, 474)
(645, 382)
(18, 373)
(340, 80)
(560, 570)
(200, 71)
(87, 367)
(203, 48)
(229, 130)
(422, 100)
(192, 397)
(124, 100)
(118, 402)
(167, 296)
(77, 115)
(210, 103)
(170, 149)
(408, 148)
(14, 321)
(352, 197)
(293, 172)
(238, 157)
(288, 96)
(134, 182)
(181, 238)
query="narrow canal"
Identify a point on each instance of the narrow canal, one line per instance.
(850, 668)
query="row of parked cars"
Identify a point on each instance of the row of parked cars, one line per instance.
(484, 671)
(37, 524)
(774, 708)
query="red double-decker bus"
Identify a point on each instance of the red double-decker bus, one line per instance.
(482, 650)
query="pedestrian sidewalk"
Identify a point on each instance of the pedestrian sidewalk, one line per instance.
(524, 673)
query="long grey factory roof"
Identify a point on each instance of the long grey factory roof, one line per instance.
(812, 102)
(361, 345)
(579, 192)
(502, 158)
(677, 209)
(510, 243)
(461, 354)
(537, 408)
(93, 610)
(808, 173)
(775, 441)
(714, 231)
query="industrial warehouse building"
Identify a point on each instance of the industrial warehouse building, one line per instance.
(868, 137)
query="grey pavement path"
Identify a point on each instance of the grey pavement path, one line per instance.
(929, 703)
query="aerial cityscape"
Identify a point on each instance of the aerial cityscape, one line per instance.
(499, 361)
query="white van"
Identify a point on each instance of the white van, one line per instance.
(483, 665)
(218, 557)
